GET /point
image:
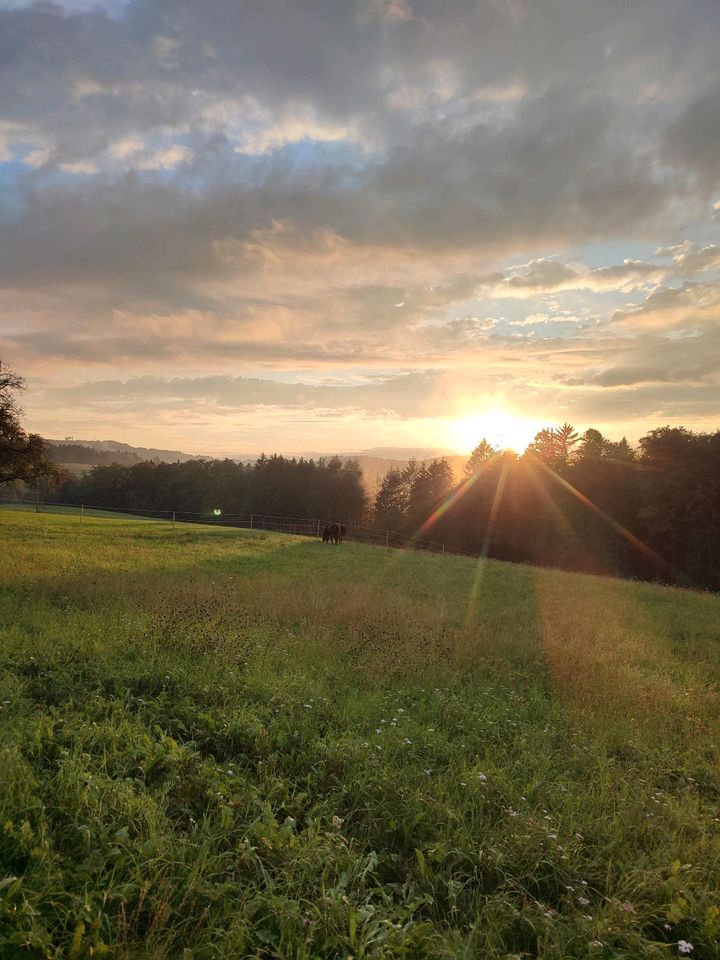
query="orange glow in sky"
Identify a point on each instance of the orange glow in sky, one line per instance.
(500, 428)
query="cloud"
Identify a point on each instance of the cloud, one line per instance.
(383, 185)
(654, 359)
(546, 276)
(688, 307)
(409, 394)
(696, 261)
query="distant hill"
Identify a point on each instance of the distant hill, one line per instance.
(80, 455)
(102, 452)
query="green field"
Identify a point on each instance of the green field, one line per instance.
(68, 510)
(223, 744)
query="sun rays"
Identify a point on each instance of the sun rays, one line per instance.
(496, 473)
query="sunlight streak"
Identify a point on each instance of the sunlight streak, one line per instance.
(456, 494)
(482, 560)
(617, 527)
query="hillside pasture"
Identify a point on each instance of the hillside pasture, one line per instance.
(218, 743)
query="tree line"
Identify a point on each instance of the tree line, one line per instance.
(272, 486)
(581, 503)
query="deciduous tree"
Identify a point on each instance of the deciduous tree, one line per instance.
(23, 456)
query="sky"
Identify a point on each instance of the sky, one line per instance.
(334, 225)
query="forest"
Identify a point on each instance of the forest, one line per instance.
(575, 502)
(581, 503)
(274, 486)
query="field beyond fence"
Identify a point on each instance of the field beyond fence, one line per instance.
(299, 526)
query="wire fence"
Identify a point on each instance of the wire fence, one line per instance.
(299, 526)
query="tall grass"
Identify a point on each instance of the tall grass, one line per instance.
(220, 744)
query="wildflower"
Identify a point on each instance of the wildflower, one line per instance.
(512, 813)
(407, 740)
(482, 778)
(378, 730)
(462, 783)
(428, 771)
(307, 706)
(597, 943)
(337, 822)
(685, 947)
(627, 907)
(583, 901)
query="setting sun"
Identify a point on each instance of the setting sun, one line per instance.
(500, 428)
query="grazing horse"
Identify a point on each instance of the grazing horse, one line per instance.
(334, 533)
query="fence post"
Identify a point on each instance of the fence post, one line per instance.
(318, 528)
(82, 513)
(443, 548)
(252, 517)
(387, 538)
(173, 519)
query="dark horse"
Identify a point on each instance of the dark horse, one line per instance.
(334, 533)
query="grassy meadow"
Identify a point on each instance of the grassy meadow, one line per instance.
(223, 744)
